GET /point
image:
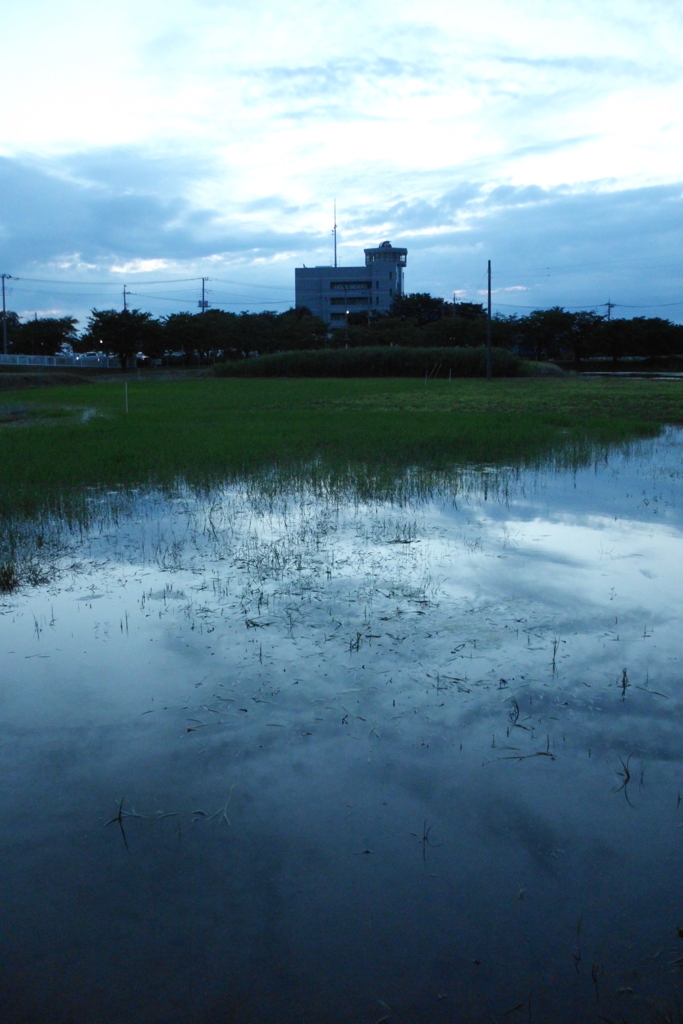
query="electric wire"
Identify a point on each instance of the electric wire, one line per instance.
(22, 284)
(110, 284)
(215, 301)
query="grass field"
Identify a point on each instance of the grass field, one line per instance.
(207, 429)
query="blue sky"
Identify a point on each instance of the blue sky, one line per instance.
(165, 141)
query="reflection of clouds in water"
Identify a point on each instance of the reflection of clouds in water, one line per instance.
(361, 672)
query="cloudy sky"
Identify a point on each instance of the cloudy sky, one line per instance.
(152, 143)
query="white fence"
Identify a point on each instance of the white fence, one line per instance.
(98, 360)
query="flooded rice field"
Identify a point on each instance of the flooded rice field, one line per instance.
(282, 754)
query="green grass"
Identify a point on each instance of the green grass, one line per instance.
(208, 429)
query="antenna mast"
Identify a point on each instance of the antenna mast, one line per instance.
(334, 232)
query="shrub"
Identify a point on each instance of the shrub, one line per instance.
(380, 361)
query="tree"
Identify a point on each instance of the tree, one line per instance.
(199, 333)
(467, 310)
(123, 332)
(654, 337)
(9, 329)
(420, 306)
(182, 333)
(546, 331)
(454, 331)
(297, 328)
(616, 339)
(506, 332)
(45, 336)
(583, 335)
(380, 330)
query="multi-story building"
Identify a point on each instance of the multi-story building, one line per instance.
(333, 292)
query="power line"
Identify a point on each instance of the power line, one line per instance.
(221, 302)
(175, 280)
(519, 305)
(269, 302)
(161, 298)
(249, 284)
(592, 305)
(101, 284)
(647, 305)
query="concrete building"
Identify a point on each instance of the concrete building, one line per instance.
(333, 292)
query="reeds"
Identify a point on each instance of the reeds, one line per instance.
(9, 577)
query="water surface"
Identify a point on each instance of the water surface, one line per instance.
(413, 760)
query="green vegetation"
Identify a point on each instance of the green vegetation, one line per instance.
(122, 333)
(380, 361)
(211, 428)
(41, 336)
(62, 463)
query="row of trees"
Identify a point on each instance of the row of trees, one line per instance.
(193, 335)
(415, 320)
(543, 334)
(42, 336)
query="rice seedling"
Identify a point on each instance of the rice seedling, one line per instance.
(624, 773)
(118, 819)
(425, 840)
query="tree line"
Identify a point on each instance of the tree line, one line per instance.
(415, 321)
(543, 334)
(192, 336)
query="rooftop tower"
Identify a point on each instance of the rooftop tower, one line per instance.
(333, 292)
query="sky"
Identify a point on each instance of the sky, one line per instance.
(153, 144)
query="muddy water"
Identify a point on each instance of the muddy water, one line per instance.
(283, 756)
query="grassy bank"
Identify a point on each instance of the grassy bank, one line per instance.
(377, 361)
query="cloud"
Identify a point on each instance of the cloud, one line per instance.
(603, 66)
(560, 245)
(338, 76)
(110, 217)
(107, 216)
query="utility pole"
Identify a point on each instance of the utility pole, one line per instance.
(203, 304)
(489, 373)
(334, 232)
(610, 307)
(125, 304)
(4, 277)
